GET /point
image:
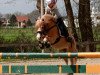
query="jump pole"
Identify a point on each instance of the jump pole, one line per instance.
(29, 69)
(49, 55)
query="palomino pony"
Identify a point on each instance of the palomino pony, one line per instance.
(48, 31)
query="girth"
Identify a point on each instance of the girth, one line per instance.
(57, 40)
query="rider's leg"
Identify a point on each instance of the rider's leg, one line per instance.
(63, 29)
(61, 25)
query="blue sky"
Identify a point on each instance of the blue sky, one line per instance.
(11, 6)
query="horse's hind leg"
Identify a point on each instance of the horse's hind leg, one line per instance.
(74, 60)
(65, 59)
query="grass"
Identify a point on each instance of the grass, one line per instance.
(27, 36)
(11, 34)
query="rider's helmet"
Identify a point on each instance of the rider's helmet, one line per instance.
(51, 3)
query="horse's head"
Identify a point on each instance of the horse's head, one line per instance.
(43, 26)
(40, 29)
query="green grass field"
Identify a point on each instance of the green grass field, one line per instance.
(12, 34)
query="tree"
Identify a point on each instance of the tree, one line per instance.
(1, 23)
(13, 19)
(85, 23)
(40, 6)
(33, 15)
(70, 18)
(29, 23)
(8, 16)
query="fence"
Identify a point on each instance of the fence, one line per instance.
(49, 55)
(29, 69)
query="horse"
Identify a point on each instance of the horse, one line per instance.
(48, 31)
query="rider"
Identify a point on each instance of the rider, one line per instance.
(52, 8)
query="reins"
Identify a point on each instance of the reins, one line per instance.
(47, 30)
(58, 38)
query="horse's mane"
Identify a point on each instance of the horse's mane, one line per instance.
(49, 17)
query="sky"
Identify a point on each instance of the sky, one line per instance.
(11, 6)
(25, 6)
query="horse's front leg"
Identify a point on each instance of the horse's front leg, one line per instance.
(66, 60)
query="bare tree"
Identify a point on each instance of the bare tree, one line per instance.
(70, 18)
(85, 24)
(38, 5)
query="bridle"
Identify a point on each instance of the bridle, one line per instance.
(45, 31)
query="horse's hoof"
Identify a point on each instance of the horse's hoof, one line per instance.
(41, 46)
(47, 45)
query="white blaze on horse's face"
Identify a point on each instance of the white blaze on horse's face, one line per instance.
(38, 34)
